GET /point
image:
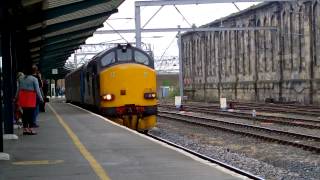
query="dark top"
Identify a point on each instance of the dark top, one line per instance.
(39, 80)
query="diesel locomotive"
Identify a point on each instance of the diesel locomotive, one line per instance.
(120, 83)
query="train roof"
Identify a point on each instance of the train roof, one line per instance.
(110, 49)
(100, 54)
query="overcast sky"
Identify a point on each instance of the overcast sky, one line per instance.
(168, 17)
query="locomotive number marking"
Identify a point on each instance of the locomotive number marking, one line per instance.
(113, 74)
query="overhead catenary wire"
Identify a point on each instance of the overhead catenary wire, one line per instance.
(236, 6)
(113, 40)
(184, 18)
(124, 18)
(116, 32)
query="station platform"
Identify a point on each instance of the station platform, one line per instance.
(73, 143)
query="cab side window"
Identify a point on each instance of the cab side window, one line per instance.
(108, 59)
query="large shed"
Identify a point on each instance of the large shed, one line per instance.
(257, 65)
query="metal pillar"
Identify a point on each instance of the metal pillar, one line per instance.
(75, 60)
(2, 18)
(138, 26)
(55, 87)
(1, 119)
(49, 87)
(7, 82)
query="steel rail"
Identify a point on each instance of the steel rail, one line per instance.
(261, 117)
(226, 127)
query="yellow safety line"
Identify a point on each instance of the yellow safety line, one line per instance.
(83, 150)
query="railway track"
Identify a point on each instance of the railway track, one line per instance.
(307, 123)
(275, 105)
(307, 142)
(268, 107)
(301, 111)
(231, 168)
(308, 107)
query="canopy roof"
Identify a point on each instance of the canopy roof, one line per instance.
(55, 28)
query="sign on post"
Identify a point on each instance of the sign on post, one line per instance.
(54, 71)
(223, 103)
(53, 91)
(177, 101)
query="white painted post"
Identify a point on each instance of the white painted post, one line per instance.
(180, 64)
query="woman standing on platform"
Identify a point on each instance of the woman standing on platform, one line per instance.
(28, 91)
(37, 75)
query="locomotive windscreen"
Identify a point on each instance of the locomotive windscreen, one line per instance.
(124, 55)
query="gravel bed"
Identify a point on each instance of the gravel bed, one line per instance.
(281, 127)
(267, 160)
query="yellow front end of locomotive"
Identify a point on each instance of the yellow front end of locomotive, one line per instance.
(127, 85)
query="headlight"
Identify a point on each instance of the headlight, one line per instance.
(150, 95)
(108, 97)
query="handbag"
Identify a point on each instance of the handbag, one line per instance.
(27, 98)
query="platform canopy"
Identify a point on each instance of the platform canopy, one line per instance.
(55, 28)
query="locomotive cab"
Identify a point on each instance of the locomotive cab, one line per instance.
(128, 87)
